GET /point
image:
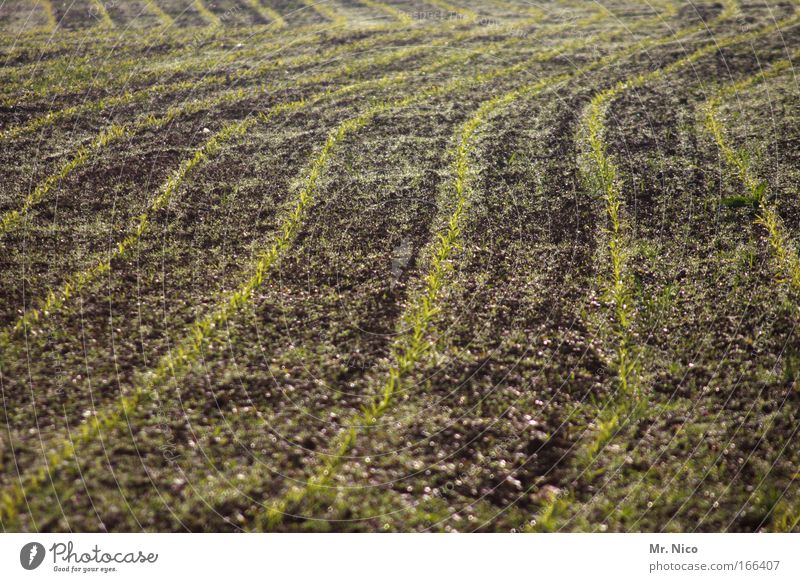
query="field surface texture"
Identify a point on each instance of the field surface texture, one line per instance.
(413, 265)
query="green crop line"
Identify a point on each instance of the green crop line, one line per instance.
(212, 19)
(322, 8)
(464, 13)
(110, 69)
(91, 72)
(179, 38)
(270, 14)
(202, 64)
(179, 361)
(56, 301)
(100, 10)
(47, 6)
(410, 347)
(155, 9)
(99, 37)
(407, 357)
(12, 219)
(785, 254)
(603, 176)
(398, 15)
(10, 502)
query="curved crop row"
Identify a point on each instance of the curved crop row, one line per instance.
(784, 252)
(398, 15)
(178, 361)
(327, 12)
(254, 73)
(47, 7)
(786, 257)
(270, 14)
(99, 11)
(212, 19)
(603, 176)
(165, 18)
(56, 299)
(110, 74)
(410, 347)
(114, 65)
(12, 219)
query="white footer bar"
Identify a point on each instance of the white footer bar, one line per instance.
(389, 557)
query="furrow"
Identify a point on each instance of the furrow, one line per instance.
(327, 12)
(410, 347)
(212, 19)
(267, 13)
(178, 361)
(254, 73)
(398, 15)
(155, 9)
(603, 177)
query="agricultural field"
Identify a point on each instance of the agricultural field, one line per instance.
(413, 265)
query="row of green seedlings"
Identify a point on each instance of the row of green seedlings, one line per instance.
(12, 219)
(55, 299)
(412, 345)
(85, 74)
(155, 9)
(179, 361)
(97, 9)
(109, 74)
(413, 340)
(327, 12)
(58, 51)
(785, 515)
(180, 38)
(214, 80)
(418, 317)
(602, 175)
(50, 18)
(784, 254)
(267, 13)
(96, 12)
(782, 515)
(78, 77)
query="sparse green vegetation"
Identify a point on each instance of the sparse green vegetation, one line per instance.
(408, 265)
